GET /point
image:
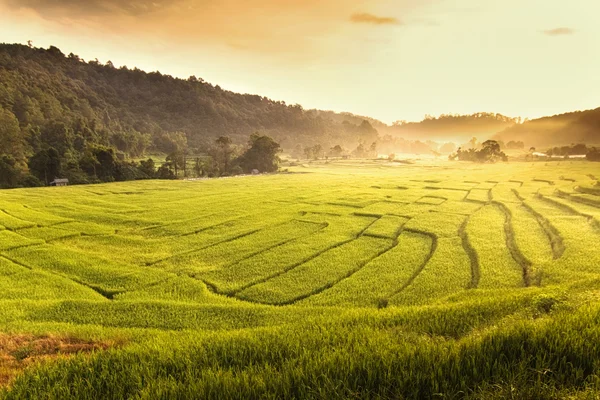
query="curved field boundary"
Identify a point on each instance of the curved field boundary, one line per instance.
(571, 210)
(487, 234)
(591, 201)
(516, 192)
(549, 182)
(10, 240)
(19, 263)
(178, 222)
(206, 228)
(195, 250)
(44, 219)
(321, 226)
(481, 198)
(227, 253)
(16, 223)
(70, 236)
(434, 244)
(275, 275)
(329, 214)
(588, 189)
(445, 188)
(351, 205)
(504, 194)
(256, 253)
(289, 268)
(425, 181)
(371, 285)
(432, 200)
(109, 295)
(512, 246)
(515, 181)
(317, 276)
(556, 240)
(22, 246)
(344, 277)
(368, 215)
(447, 273)
(386, 227)
(471, 253)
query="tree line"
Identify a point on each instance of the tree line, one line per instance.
(63, 117)
(489, 152)
(100, 164)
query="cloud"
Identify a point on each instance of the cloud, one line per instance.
(52, 8)
(264, 26)
(290, 30)
(559, 31)
(366, 18)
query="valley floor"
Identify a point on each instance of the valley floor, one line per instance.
(347, 279)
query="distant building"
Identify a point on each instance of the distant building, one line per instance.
(60, 182)
(255, 172)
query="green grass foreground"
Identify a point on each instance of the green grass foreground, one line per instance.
(342, 280)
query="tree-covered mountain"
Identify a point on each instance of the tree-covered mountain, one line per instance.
(61, 115)
(68, 103)
(453, 127)
(558, 130)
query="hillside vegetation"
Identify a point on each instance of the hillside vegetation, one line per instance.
(75, 117)
(67, 103)
(558, 130)
(340, 280)
(454, 128)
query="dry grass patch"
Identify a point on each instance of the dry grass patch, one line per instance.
(19, 351)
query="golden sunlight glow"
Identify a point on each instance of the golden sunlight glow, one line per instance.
(389, 59)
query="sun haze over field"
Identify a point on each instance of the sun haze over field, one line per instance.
(356, 279)
(302, 199)
(389, 59)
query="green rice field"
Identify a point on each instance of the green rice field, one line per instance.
(342, 280)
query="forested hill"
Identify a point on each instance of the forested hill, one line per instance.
(454, 127)
(52, 100)
(66, 103)
(563, 129)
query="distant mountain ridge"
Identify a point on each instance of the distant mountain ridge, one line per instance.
(454, 127)
(50, 99)
(557, 130)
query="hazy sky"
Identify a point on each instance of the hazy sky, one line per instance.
(389, 59)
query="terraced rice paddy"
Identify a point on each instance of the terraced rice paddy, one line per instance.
(327, 244)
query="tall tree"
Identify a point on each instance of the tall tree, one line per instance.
(317, 151)
(177, 160)
(148, 168)
(224, 153)
(336, 151)
(262, 154)
(11, 139)
(45, 165)
(10, 174)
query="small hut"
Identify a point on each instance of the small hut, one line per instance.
(60, 182)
